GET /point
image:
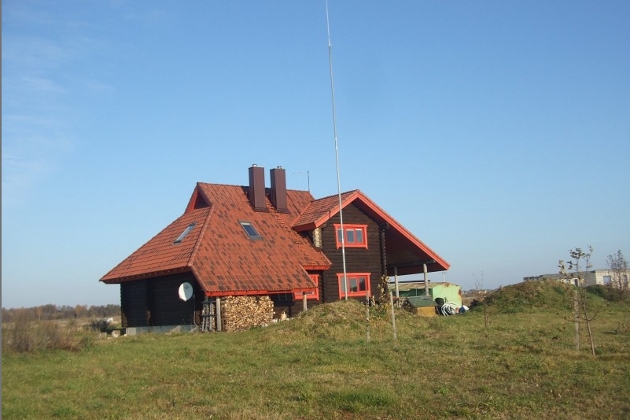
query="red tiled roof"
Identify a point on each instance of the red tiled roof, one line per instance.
(220, 253)
(319, 211)
(225, 260)
(161, 255)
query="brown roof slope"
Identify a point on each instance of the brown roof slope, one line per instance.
(227, 259)
(161, 255)
(224, 259)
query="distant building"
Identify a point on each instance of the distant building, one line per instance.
(590, 278)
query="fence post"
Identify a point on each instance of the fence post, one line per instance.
(391, 303)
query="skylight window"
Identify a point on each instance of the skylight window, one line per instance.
(250, 230)
(185, 233)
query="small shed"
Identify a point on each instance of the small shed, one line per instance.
(451, 293)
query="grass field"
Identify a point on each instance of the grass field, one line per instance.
(320, 365)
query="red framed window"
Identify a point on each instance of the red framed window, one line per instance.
(309, 295)
(353, 235)
(357, 284)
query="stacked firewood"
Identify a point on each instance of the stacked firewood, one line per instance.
(239, 313)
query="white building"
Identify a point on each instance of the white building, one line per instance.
(603, 277)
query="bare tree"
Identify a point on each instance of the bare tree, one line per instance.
(484, 303)
(618, 266)
(80, 311)
(579, 263)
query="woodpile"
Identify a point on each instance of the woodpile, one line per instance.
(239, 313)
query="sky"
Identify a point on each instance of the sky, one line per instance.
(497, 132)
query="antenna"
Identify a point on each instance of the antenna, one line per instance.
(334, 121)
(308, 179)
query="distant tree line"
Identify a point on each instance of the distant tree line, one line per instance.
(54, 312)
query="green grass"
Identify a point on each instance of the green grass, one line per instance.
(321, 366)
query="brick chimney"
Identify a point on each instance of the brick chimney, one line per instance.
(279, 189)
(257, 188)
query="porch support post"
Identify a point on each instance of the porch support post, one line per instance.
(396, 283)
(218, 309)
(304, 304)
(426, 280)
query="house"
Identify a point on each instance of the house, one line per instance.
(589, 278)
(258, 242)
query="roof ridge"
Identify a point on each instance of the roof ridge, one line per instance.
(193, 254)
(219, 184)
(337, 194)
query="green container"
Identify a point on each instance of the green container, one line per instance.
(420, 301)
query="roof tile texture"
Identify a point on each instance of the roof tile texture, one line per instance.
(161, 254)
(219, 251)
(320, 210)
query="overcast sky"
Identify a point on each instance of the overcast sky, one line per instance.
(497, 132)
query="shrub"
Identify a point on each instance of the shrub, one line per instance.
(26, 336)
(530, 294)
(100, 325)
(605, 292)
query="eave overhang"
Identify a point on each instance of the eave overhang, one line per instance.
(153, 274)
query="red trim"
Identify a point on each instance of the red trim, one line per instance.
(196, 195)
(393, 223)
(193, 200)
(310, 295)
(356, 277)
(219, 293)
(308, 226)
(350, 236)
(316, 267)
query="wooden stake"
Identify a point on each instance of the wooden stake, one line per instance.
(391, 303)
(367, 315)
(576, 317)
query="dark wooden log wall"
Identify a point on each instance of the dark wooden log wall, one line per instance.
(133, 303)
(358, 260)
(156, 302)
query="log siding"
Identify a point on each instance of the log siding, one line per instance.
(156, 302)
(358, 260)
